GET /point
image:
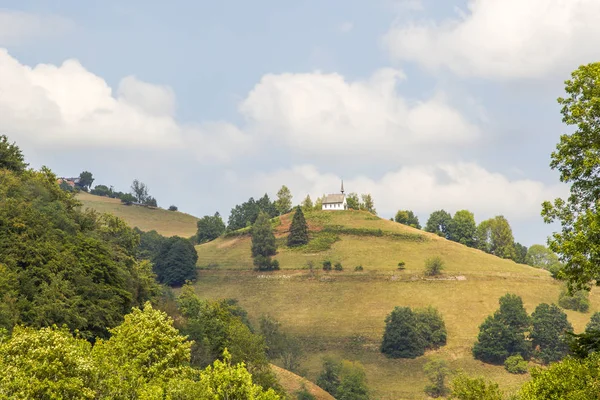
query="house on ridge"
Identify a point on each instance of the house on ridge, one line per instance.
(335, 202)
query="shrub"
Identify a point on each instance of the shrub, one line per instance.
(326, 265)
(516, 364)
(434, 266)
(436, 371)
(358, 268)
(578, 301)
(466, 388)
(304, 394)
(172, 208)
(338, 266)
(401, 265)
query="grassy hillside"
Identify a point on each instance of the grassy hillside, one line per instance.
(342, 313)
(167, 223)
(292, 383)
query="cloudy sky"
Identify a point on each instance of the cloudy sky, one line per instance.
(425, 104)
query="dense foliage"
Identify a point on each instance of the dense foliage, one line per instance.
(245, 214)
(549, 326)
(60, 265)
(409, 333)
(439, 222)
(407, 217)
(145, 358)
(298, 235)
(466, 388)
(495, 236)
(345, 380)
(175, 261)
(462, 229)
(436, 371)
(577, 300)
(516, 364)
(209, 228)
(11, 157)
(284, 200)
(263, 244)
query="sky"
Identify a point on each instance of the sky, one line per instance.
(427, 105)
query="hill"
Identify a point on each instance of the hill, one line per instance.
(342, 313)
(292, 383)
(167, 223)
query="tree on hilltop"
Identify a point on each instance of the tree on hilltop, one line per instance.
(462, 229)
(11, 157)
(407, 217)
(85, 180)
(307, 204)
(439, 223)
(209, 228)
(284, 200)
(298, 235)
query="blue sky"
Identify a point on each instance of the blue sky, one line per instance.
(424, 104)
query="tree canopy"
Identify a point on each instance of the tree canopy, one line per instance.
(298, 235)
(462, 229)
(209, 228)
(263, 244)
(407, 217)
(439, 223)
(85, 180)
(284, 200)
(11, 157)
(175, 261)
(548, 332)
(245, 214)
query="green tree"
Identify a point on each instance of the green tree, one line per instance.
(576, 158)
(175, 261)
(495, 236)
(139, 191)
(466, 388)
(284, 200)
(548, 332)
(520, 253)
(367, 203)
(263, 244)
(329, 378)
(540, 256)
(431, 326)
(11, 157)
(209, 228)
(85, 180)
(401, 338)
(516, 364)
(407, 217)
(304, 394)
(353, 385)
(307, 204)
(577, 300)
(353, 201)
(436, 371)
(594, 324)
(463, 228)
(439, 223)
(434, 266)
(298, 235)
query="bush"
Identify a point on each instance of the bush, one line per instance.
(338, 266)
(436, 371)
(434, 266)
(326, 265)
(578, 301)
(466, 388)
(516, 364)
(401, 265)
(304, 394)
(358, 268)
(172, 208)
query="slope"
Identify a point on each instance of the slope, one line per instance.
(343, 313)
(293, 383)
(167, 223)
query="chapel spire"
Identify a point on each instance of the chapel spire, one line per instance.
(342, 186)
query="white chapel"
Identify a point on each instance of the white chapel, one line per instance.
(335, 202)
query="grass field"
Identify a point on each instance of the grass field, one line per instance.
(342, 313)
(292, 383)
(167, 223)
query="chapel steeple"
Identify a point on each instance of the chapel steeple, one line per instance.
(342, 186)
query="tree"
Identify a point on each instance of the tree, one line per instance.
(407, 217)
(85, 180)
(175, 262)
(520, 253)
(245, 214)
(436, 371)
(367, 203)
(431, 326)
(353, 384)
(462, 229)
(263, 244)
(540, 256)
(329, 378)
(439, 223)
(548, 332)
(576, 158)
(140, 191)
(495, 236)
(576, 300)
(352, 201)
(209, 228)
(307, 204)
(594, 324)
(501, 335)
(466, 388)
(11, 157)
(174, 208)
(284, 200)
(434, 266)
(298, 235)
(401, 338)
(102, 190)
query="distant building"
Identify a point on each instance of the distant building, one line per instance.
(335, 202)
(69, 181)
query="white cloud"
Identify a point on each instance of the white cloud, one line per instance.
(17, 27)
(68, 106)
(504, 38)
(424, 189)
(323, 114)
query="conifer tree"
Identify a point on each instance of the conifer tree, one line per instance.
(263, 244)
(298, 230)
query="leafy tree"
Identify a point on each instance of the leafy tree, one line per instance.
(577, 301)
(431, 326)
(175, 262)
(245, 214)
(267, 206)
(401, 338)
(516, 364)
(307, 204)
(466, 388)
(298, 235)
(407, 217)
(139, 191)
(594, 324)
(501, 335)
(174, 208)
(263, 244)
(463, 228)
(520, 253)
(209, 228)
(439, 223)
(353, 384)
(329, 378)
(85, 180)
(150, 244)
(102, 190)
(367, 203)
(577, 161)
(540, 256)
(434, 266)
(284, 200)
(151, 201)
(549, 327)
(353, 201)
(11, 157)
(495, 236)
(274, 338)
(318, 204)
(436, 370)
